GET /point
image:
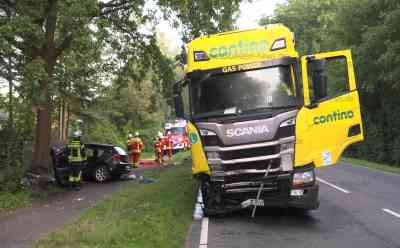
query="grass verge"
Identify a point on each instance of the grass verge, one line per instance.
(372, 165)
(140, 215)
(18, 199)
(24, 197)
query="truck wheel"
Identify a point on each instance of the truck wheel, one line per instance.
(101, 174)
(210, 202)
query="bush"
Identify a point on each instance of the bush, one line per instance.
(11, 161)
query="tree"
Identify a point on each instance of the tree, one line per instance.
(53, 39)
(312, 22)
(201, 17)
(43, 31)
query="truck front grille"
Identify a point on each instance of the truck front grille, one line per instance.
(241, 168)
(249, 153)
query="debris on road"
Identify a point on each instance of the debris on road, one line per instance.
(146, 180)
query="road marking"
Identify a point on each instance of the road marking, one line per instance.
(198, 207)
(333, 186)
(204, 233)
(391, 212)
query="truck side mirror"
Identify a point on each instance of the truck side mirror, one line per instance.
(319, 79)
(177, 91)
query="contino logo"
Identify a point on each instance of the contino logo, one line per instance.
(239, 49)
(333, 117)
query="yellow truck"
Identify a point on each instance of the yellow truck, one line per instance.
(262, 118)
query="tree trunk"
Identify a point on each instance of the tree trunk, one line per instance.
(41, 155)
(42, 144)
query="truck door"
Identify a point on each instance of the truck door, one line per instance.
(330, 120)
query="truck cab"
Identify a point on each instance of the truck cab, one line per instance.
(262, 118)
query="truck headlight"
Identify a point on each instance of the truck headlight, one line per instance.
(289, 122)
(304, 177)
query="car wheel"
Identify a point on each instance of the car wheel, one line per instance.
(101, 174)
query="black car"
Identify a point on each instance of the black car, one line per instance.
(104, 162)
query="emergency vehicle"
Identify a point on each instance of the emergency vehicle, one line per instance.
(179, 135)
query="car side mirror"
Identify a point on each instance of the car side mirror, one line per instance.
(319, 79)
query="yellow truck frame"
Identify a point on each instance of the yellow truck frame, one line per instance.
(326, 120)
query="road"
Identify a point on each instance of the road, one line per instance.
(359, 208)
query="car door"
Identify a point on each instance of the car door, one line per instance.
(331, 119)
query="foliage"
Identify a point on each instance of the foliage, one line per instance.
(63, 52)
(14, 200)
(201, 17)
(11, 160)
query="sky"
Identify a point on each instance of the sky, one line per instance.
(250, 13)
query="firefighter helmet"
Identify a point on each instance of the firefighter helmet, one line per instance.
(77, 134)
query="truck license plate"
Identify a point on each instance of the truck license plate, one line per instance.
(253, 202)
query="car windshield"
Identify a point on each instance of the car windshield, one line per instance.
(120, 150)
(176, 130)
(236, 93)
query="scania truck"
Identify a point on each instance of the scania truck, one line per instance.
(262, 118)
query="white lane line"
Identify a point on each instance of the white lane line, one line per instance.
(198, 207)
(391, 212)
(204, 233)
(333, 186)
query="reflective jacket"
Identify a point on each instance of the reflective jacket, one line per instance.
(137, 145)
(76, 151)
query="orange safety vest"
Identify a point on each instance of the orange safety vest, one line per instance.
(158, 145)
(137, 145)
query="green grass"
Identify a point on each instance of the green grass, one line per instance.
(372, 165)
(24, 197)
(140, 215)
(19, 199)
(180, 156)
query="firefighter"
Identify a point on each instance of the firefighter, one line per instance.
(137, 148)
(158, 148)
(168, 144)
(76, 160)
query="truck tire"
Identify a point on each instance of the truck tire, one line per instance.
(210, 201)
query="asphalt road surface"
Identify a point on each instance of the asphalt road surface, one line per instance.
(359, 208)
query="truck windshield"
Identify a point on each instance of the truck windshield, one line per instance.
(244, 92)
